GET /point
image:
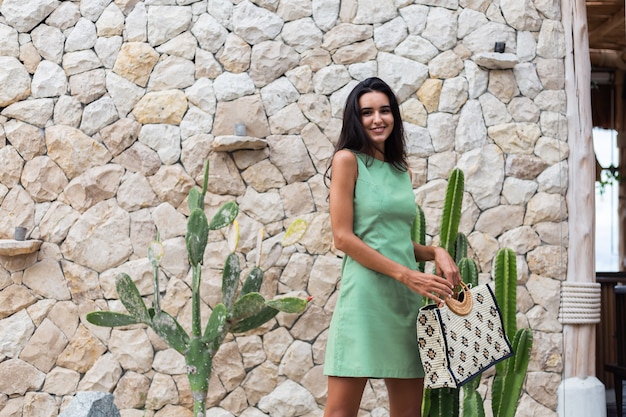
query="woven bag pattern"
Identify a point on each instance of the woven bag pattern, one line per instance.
(455, 348)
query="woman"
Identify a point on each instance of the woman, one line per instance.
(372, 208)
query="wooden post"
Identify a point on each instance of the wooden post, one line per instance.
(579, 353)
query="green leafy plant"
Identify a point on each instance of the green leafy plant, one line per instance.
(241, 309)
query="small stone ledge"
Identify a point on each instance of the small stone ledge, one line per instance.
(496, 60)
(10, 247)
(237, 143)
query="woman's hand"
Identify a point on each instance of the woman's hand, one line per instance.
(428, 285)
(445, 266)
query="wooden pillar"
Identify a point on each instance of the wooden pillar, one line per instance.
(579, 354)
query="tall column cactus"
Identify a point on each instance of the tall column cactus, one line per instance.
(511, 373)
(240, 310)
(444, 402)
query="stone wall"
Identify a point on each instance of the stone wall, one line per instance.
(108, 110)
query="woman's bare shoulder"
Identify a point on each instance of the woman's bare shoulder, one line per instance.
(344, 157)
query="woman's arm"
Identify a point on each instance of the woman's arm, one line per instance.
(444, 263)
(344, 174)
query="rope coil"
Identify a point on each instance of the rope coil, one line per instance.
(580, 303)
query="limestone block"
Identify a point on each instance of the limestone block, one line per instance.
(18, 377)
(482, 39)
(554, 179)
(25, 16)
(441, 28)
(167, 107)
(445, 65)
(17, 209)
(36, 112)
(454, 94)
(255, 24)
(132, 390)
(247, 109)
(140, 270)
(494, 111)
(544, 207)
(403, 75)
(9, 45)
(57, 221)
(552, 233)
(26, 138)
(288, 399)
(137, 23)
(228, 364)
(287, 121)
(388, 35)
(169, 361)
(515, 138)
(111, 22)
(74, 151)
(162, 392)
(486, 182)
(15, 79)
(82, 352)
(172, 72)
(165, 22)
(139, 158)
(525, 167)
(93, 186)
(17, 330)
(551, 72)
(521, 240)
(11, 164)
(80, 61)
(164, 139)
(64, 16)
(61, 381)
(548, 261)
(135, 62)
(288, 153)
(325, 13)
(223, 167)
(104, 225)
(370, 11)
(30, 57)
(44, 346)
(83, 36)
(471, 132)
(46, 279)
(263, 176)
(135, 192)
(302, 34)
(415, 16)
(518, 191)
(235, 57)
(172, 184)
(270, 60)
(82, 282)
(49, 42)
(551, 150)
(522, 15)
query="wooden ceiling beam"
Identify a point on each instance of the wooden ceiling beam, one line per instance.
(616, 21)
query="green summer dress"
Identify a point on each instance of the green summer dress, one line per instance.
(373, 328)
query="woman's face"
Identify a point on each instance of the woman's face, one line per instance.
(376, 118)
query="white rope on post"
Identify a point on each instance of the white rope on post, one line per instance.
(580, 303)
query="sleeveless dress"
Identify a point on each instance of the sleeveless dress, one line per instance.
(373, 328)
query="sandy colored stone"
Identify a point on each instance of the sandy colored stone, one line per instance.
(135, 62)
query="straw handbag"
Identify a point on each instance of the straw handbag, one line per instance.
(462, 338)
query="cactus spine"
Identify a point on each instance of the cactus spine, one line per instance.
(238, 311)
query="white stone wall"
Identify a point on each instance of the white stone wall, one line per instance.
(108, 110)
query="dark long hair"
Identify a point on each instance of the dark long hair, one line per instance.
(353, 135)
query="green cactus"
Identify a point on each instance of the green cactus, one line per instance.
(510, 373)
(445, 401)
(418, 233)
(238, 312)
(452, 211)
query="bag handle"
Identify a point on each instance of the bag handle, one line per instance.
(463, 302)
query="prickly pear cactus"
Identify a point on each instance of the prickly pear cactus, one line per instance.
(241, 309)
